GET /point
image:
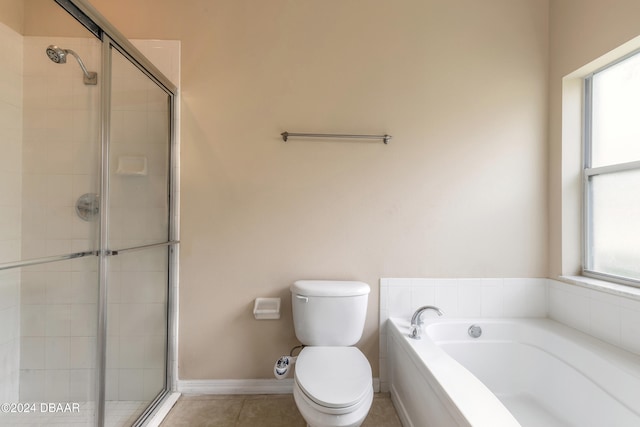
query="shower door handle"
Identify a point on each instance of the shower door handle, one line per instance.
(139, 248)
(45, 260)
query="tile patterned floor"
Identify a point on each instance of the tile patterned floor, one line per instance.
(260, 411)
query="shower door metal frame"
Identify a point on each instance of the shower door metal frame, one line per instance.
(111, 39)
(103, 265)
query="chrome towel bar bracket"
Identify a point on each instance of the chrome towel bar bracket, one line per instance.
(286, 135)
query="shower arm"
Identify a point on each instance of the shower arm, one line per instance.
(90, 77)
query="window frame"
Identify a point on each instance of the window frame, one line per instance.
(588, 172)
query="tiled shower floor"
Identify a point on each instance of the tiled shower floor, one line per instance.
(119, 414)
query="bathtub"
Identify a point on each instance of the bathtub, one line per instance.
(519, 372)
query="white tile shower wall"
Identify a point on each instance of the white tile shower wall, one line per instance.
(517, 297)
(612, 318)
(10, 210)
(60, 163)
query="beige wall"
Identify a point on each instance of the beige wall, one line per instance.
(12, 14)
(461, 191)
(580, 32)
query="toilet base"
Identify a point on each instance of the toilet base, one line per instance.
(316, 418)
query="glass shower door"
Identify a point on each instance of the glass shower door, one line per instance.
(138, 238)
(49, 163)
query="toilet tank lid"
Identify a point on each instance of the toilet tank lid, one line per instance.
(329, 288)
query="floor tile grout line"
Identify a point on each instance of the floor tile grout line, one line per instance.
(237, 423)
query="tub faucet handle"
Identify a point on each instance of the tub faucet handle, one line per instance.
(414, 332)
(416, 320)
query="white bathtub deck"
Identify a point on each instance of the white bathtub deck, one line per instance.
(529, 412)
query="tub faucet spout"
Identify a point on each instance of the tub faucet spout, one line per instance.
(416, 320)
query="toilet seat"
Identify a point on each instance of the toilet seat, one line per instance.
(337, 379)
(302, 400)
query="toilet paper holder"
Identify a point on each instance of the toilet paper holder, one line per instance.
(266, 308)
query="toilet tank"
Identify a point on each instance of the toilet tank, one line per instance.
(328, 312)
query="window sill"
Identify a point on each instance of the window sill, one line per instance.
(603, 286)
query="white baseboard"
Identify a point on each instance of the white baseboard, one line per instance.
(270, 386)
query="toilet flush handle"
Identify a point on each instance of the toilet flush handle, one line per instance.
(303, 298)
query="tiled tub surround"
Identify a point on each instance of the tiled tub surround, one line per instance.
(613, 318)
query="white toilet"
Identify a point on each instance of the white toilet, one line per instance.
(332, 383)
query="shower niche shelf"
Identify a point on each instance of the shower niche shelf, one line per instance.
(132, 166)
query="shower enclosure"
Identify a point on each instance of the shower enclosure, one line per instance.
(88, 236)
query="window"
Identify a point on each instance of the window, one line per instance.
(612, 172)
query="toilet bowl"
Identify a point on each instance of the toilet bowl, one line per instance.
(333, 386)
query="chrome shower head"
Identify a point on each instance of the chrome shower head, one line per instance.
(59, 56)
